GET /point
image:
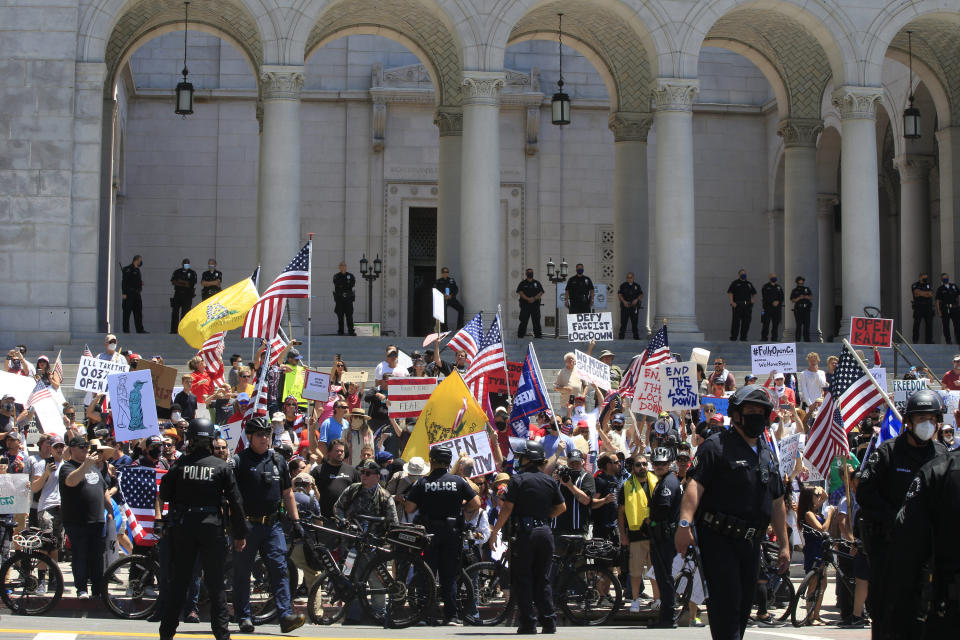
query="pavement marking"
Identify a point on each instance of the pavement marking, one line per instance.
(792, 636)
(53, 635)
(49, 635)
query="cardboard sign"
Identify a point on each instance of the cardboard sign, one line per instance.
(20, 387)
(133, 405)
(14, 493)
(408, 396)
(646, 399)
(779, 356)
(438, 305)
(316, 385)
(789, 450)
(48, 412)
(496, 383)
(164, 380)
(871, 332)
(950, 400)
(903, 389)
(880, 375)
(92, 374)
(678, 386)
(584, 327)
(357, 377)
(592, 370)
(475, 445)
(230, 432)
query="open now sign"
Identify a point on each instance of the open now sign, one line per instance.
(871, 332)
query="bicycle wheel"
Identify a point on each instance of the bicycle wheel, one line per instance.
(783, 596)
(683, 587)
(397, 590)
(466, 597)
(30, 583)
(589, 594)
(806, 598)
(329, 599)
(263, 608)
(491, 583)
(130, 587)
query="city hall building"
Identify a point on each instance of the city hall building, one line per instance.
(808, 138)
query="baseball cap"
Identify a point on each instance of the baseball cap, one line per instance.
(304, 477)
(243, 396)
(383, 456)
(750, 376)
(13, 434)
(154, 440)
(110, 338)
(55, 440)
(575, 454)
(717, 418)
(605, 353)
(501, 410)
(778, 376)
(368, 465)
(293, 353)
(78, 441)
(278, 416)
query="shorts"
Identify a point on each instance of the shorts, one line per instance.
(50, 521)
(861, 566)
(639, 557)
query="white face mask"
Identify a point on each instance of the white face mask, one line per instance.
(111, 347)
(175, 417)
(925, 430)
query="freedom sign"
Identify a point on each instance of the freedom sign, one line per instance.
(871, 332)
(678, 386)
(779, 356)
(92, 374)
(584, 327)
(903, 389)
(592, 370)
(646, 399)
(408, 396)
(475, 445)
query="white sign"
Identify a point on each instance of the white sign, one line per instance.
(133, 405)
(14, 493)
(779, 356)
(92, 374)
(17, 386)
(880, 375)
(903, 389)
(475, 445)
(49, 414)
(591, 370)
(408, 396)
(789, 449)
(230, 432)
(599, 296)
(678, 386)
(403, 361)
(561, 290)
(438, 305)
(646, 399)
(316, 385)
(584, 327)
(951, 400)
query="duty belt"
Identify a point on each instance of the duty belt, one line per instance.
(268, 519)
(731, 526)
(526, 524)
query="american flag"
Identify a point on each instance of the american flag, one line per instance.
(139, 488)
(489, 358)
(277, 345)
(263, 319)
(658, 349)
(58, 368)
(212, 355)
(258, 403)
(628, 384)
(40, 392)
(86, 350)
(470, 337)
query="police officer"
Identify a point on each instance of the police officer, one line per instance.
(442, 498)
(948, 296)
(630, 295)
(664, 514)
(578, 296)
(130, 288)
(530, 291)
(923, 534)
(184, 282)
(531, 501)
(211, 281)
(741, 294)
(735, 491)
(884, 480)
(802, 299)
(921, 293)
(194, 527)
(343, 297)
(264, 483)
(771, 297)
(448, 287)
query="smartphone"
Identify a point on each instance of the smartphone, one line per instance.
(50, 460)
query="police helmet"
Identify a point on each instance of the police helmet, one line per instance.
(201, 428)
(441, 455)
(532, 451)
(661, 455)
(259, 423)
(752, 394)
(924, 401)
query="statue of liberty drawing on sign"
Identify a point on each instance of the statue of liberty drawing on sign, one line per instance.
(136, 408)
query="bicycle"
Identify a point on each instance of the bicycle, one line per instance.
(394, 585)
(491, 584)
(31, 582)
(585, 589)
(780, 590)
(809, 595)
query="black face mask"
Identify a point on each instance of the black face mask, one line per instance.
(154, 453)
(753, 424)
(501, 426)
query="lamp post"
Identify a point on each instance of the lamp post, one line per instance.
(184, 103)
(370, 275)
(556, 277)
(911, 115)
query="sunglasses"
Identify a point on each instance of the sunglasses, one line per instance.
(70, 415)
(341, 366)
(637, 465)
(341, 407)
(244, 375)
(290, 404)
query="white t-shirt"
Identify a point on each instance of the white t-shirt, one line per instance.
(50, 493)
(811, 384)
(398, 372)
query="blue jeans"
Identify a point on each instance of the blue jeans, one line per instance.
(87, 543)
(268, 540)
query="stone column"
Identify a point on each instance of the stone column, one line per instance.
(631, 216)
(450, 122)
(481, 247)
(674, 243)
(948, 145)
(860, 236)
(800, 246)
(825, 207)
(914, 229)
(775, 228)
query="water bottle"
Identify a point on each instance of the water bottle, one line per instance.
(348, 563)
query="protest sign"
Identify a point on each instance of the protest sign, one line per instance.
(678, 386)
(584, 327)
(133, 405)
(475, 445)
(722, 405)
(404, 361)
(789, 449)
(646, 399)
(357, 377)
(599, 296)
(49, 414)
(496, 383)
(880, 375)
(903, 389)
(20, 387)
(951, 400)
(14, 493)
(92, 374)
(230, 432)
(316, 385)
(438, 305)
(408, 396)
(592, 370)
(164, 379)
(700, 356)
(779, 356)
(450, 412)
(871, 332)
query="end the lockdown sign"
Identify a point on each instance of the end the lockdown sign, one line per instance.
(584, 327)
(779, 356)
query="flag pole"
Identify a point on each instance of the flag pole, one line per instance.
(536, 363)
(883, 392)
(506, 369)
(309, 297)
(256, 285)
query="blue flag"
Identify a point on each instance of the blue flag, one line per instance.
(532, 397)
(890, 427)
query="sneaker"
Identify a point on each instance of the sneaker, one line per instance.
(856, 622)
(769, 622)
(41, 589)
(654, 605)
(82, 594)
(696, 622)
(192, 617)
(452, 622)
(635, 606)
(246, 625)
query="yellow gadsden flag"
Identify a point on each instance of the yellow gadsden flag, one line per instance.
(450, 412)
(221, 312)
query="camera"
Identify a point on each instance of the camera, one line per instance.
(564, 473)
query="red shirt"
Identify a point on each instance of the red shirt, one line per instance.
(951, 380)
(536, 431)
(202, 386)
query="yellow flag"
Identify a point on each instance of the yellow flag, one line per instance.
(451, 411)
(221, 312)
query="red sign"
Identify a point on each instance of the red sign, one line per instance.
(496, 383)
(871, 332)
